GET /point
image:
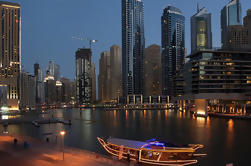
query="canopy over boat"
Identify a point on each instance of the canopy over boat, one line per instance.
(150, 144)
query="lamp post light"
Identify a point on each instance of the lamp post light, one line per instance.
(62, 133)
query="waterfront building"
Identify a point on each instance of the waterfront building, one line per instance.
(83, 76)
(38, 73)
(116, 72)
(152, 70)
(104, 78)
(28, 91)
(231, 14)
(173, 47)
(217, 81)
(93, 83)
(133, 45)
(201, 34)
(10, 48)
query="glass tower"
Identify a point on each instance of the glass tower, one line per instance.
(201, 34)
(173, 47)
(133, 44)
(230, 15)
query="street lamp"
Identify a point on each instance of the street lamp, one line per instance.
(62, 133)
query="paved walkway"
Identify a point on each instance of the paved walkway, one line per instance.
(44, 154)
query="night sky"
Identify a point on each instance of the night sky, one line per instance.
(48, 27)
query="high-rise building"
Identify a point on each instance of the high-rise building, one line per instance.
(10, 48)
(152, 70)
(173, 47)
(83, 76)
(50, 90)
(133, 45)
(68, 91)
(54, 70)
(116, 72)
(247, 24)
(3, 96)
(59, 93)
(93, 83)
(239, 36)
(230, 15)
(38, 73)
(104, 78)
(28, 91)
(201, 34)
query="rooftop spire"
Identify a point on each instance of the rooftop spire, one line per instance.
(198, 7)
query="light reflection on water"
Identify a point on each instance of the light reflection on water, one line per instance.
(218, 135)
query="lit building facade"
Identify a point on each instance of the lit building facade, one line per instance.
(116, 72)
(83, 76)
(201, 34)
(173, 47)
(152, 70)
(217, 81)
(10, 48)
(133, 45)
(231, 14)
(28, 91)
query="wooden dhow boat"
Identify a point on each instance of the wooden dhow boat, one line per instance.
(152, 152)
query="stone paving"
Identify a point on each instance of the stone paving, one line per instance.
(44, 154)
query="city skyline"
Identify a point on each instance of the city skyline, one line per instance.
(60, 47)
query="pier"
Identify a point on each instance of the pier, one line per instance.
(35, 122)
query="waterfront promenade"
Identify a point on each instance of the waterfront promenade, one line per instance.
(40, 153)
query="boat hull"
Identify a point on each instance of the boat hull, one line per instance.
(142, 156)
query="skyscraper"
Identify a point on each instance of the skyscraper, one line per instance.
(173, 47)
(247, 24)
(83, 76)
(39, 84)
(10, 48)
(152, 70)
(93, 83)
(133, 44)
(201, 34)
(230, 15)
(54, 70)
(28, 91)
(104, 78)
(116, 72)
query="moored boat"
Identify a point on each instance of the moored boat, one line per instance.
(152, 152)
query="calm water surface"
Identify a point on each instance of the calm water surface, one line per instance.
(226, 141)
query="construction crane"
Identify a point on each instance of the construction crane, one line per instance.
(84, 39)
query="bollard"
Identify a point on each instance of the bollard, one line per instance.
(15, 141)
